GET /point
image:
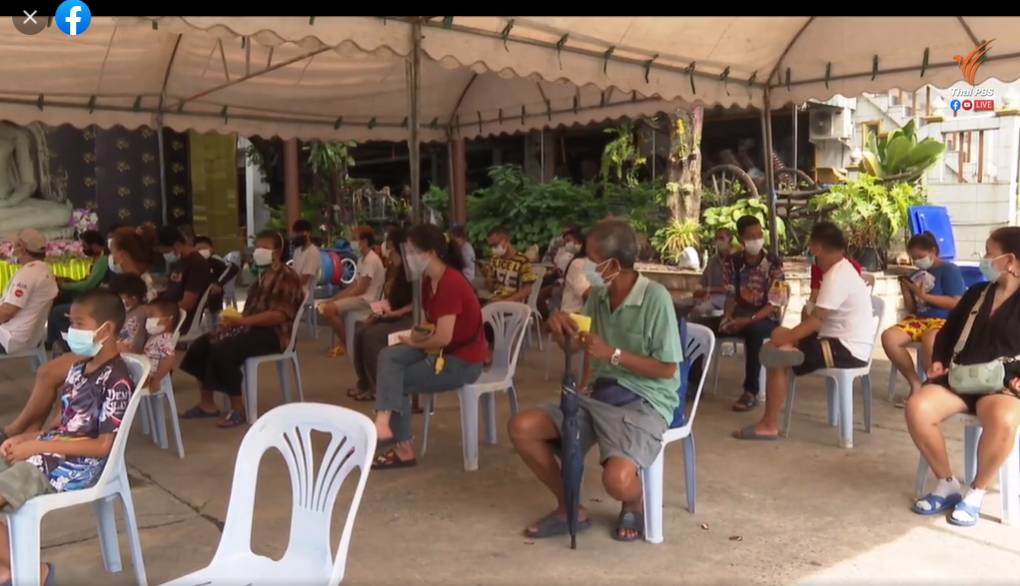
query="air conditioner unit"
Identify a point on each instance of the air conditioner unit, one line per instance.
(829, 124)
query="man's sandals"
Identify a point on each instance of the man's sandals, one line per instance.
(389, 460)
(746, 402)
(337, 352)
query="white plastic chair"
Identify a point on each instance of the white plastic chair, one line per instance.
(36, 354)
(251, 372)
(197, 328)
(152, 406)
(536, 317)
(1009, 474)
(230, 288)
(315, 484)
(700, 343)
(894, 374)
(509, 320)
(23, 526)
(839, 388)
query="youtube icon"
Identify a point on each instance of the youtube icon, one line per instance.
(967, 105)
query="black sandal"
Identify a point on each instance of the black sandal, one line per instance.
(364, 396)
(389, 460)
(631, 520)
(746, 402)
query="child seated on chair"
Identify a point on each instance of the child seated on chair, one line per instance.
(161, 326)
(71, 454)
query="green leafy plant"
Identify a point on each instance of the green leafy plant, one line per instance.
(330, 162)
(727, 216)
(671, 240)
(437, 199)
(312, 205)
(899, 156)
(869, 212)
(621, 158)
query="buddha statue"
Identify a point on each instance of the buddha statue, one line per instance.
(22, 179)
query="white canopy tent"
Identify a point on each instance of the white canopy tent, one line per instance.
(121, 71)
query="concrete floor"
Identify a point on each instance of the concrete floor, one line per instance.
(797, 511)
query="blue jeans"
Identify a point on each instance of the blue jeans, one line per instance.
(403, 371)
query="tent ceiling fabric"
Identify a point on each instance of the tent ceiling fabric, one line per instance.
(119, 65)
(662, 56)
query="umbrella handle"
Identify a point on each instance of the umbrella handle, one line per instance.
(568, 353)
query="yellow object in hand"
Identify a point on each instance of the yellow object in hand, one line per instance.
(230, 312)
(440, 363)
(583, 322)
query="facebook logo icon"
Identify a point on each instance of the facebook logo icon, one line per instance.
(73, 17)
(954, 105)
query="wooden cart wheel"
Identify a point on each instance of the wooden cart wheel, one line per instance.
(730, 183)
(793, 180)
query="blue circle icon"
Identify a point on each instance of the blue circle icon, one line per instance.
(954, 105)
(73, 17)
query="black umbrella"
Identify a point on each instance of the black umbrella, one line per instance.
(571, 458)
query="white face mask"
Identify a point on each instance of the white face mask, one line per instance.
(754, 246)
(109, 243)
(205, 252)
(924, 263)
(571, 247)
(263, 257)
(498, 251)
(153, 326)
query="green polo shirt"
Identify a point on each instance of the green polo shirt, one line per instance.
(645, 325)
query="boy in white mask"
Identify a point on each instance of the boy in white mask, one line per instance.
(160, 325)
(710, 296)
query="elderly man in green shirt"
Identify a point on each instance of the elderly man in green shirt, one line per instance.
(632, 370)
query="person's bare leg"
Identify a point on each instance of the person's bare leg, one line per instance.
(5, 556)
(622, 480)
(1000, 417)
(530, 433)
(928, 347)
(776, 384)
(382, 426)
(925, 412)
(336, 323)
(43, 396)
(894, 342)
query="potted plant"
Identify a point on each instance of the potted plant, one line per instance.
(870, 213)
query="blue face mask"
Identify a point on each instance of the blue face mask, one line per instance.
(811, 259)
(591, 271)
(988, 270)
(83, 342)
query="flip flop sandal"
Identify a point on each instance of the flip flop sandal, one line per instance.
(197, 412)
(937, 504)
(389, 460)
(751, 434)
(777, 358)
(629, 520)
(337, 352)
(746, 402)
(553, 526)
(353, 392)
(364, 396)
(973, 512)
(231, 420)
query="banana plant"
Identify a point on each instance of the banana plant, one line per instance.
(899, 156)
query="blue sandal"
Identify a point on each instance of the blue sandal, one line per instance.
(197, 412)
(972, 511)
(937, 504)
(231, 420)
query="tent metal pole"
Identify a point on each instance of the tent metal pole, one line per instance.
(541, 152)
(161, 152)
(770, 192)
(796, 136)
(413, 144)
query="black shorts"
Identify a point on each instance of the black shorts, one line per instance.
(822, 353)
(970, 400)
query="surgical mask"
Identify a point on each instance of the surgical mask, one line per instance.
(205, 252)
(171, 257)
(153, 326)
(989, 271)
(417, 264)
(116, 268)
(498, 251)
(263, 257)
(83, 342)
(109, 243)
(811, 259)
(14, 259)
(595, 277)
(753, 247)
(570, 247)
(923, 263)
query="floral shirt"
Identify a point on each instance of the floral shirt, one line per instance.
(280, 290)
(158, 348)
(752, 286)
(92, 404)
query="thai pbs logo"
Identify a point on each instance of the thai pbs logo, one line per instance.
(73, 17)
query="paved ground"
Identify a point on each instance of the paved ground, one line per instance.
(798, 511)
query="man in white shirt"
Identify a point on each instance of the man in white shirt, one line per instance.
(307, 260)
(366, 289)
(26, 301)
(839, 333)
(467, 252)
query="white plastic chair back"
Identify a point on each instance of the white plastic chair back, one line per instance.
(197, 325)
(869, 278)
(230, 287)
(508, 320)
(700, 344)
(233, 257)
(536, 287)
(315, 484)
(181, 316)
(292, 344)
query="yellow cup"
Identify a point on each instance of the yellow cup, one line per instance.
(583, 322)
(230, 312)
